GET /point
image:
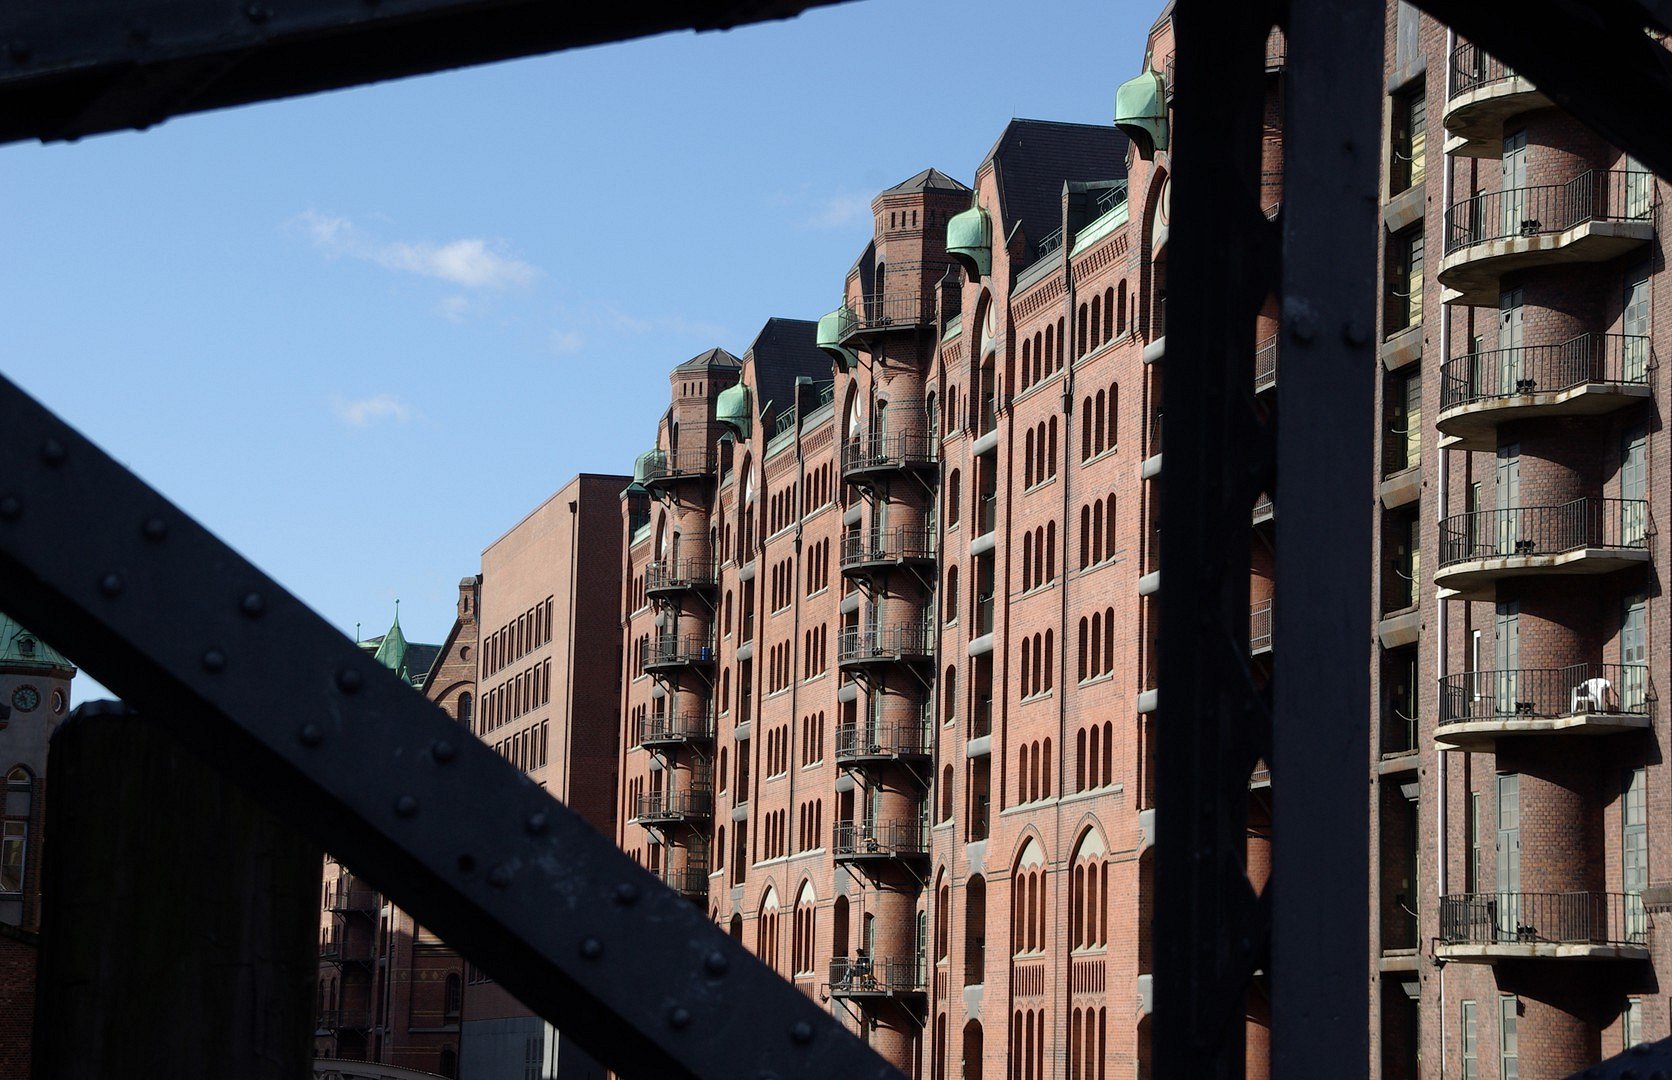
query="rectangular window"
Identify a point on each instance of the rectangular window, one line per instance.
(1402, 282)
(1509, 1067)
(1409, 129)
(1473, 882)
(1631, 1023)
(1634, 862)
(13, 845)
(1471, 1050)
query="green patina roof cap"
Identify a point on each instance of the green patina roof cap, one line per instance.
(969, 239)
(21, 649)
(1141, 111)
(732, 407)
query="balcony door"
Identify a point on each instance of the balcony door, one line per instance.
(1634, 485)
(1634, 654)
(1510, 321)
(1509, 498)
(1509, 854)
(1634, 864)
(1506, 644)
(1514, 186)
(1634, 324)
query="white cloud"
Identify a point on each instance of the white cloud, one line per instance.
(453, 308)
(566, 341)
(838, 211)
(370, 410)
(471, 262)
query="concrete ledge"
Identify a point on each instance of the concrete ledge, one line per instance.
(1399, 629)
(982, 445)
(1478, 734)
(1402, 348)
(1537, 950)
(1155, 350)
(1402, 487)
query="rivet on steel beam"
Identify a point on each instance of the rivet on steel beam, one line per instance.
(111, 585)
(592, 948)
(406, 806)
(350, 681)
(626, 894)
(537, 823)
(154, 529)
(443, 751)
(253, 604)
(52, 451)
(500, 877)
(310, 734)
(214, 661)
(801, 1032)
(679, 1017)
(11, 508)
(716, 963)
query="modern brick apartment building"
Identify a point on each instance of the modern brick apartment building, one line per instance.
(1520, 775)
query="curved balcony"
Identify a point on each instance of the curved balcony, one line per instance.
(666, 467)
(672, 653)
(886, 312)
(886, 977)
(691, 882)
(347, 900)
(1584, 376)
(1485, 93)
(867, 551)
(861, 744)
(1259, 628)
(1594, 217)
(1477, 708)
(879, 841)
(884, 645)
(673, 729)
(1484, 928)
(668, 576)
(689, 806)
(1584, 536)
(866, 457)
(1265, 364)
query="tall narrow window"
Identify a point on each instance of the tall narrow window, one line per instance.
(1402, 287)
(1471, 1047)
(1409, 132)
(1509, 1063)
(1634, 861)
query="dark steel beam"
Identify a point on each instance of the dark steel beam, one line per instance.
(1212, 726)
(1320, 934)
(165, 614)
(1592, 57)
(70, 68)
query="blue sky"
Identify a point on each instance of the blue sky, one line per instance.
(360, 334)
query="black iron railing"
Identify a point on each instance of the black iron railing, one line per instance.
(346, 899)
(675, 649)
(1473, 67)
(667, 464)
(1265, 365)
(880, 838)
(1527, 531)
(674, 727)
(891, 310)
(1545, 369)
(1598, 195)
(686, 573)
(1259, 626)
(896, 739)
(345, 1019)
(689, 881)
(1545, 693)
(1533, 918)
(900, 450)
(681, 805)
(883, 643)
(862, 975)
(899, 544)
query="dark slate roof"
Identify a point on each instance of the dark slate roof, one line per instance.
(927, 180)
(782, 352)
(1034, 158)
(709, 359)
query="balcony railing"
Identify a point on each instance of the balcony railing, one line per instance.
(1265, 364)
(902, 543)
(666, 575)
(345, 1019)
(901, 450)
(885, 740)
(981, 718)
(1473, 67)
(1527, 918)
(1544, 693)
(673, 728)
(883, 643)
(689, 881)
(346, 899)
(1259, 627)
(895, 310)
(1612, 195)
(984, 614)
(675, 650)
(880, 839)
(672, 464)
(684, 805)
(1545, 369)
(863, 976)
(1530, 531)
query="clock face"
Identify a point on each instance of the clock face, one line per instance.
(26, 699)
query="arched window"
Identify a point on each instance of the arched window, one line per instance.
(467, 708)
(954, 490)
(14, 840)
(1120, 317)
(452, 998)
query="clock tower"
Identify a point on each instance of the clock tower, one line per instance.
(34, 699)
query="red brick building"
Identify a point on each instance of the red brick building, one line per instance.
(1519, 776)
